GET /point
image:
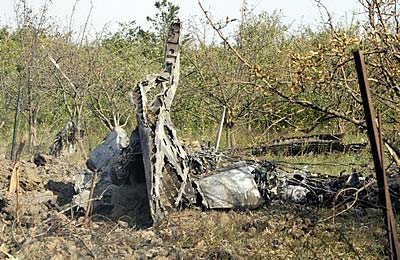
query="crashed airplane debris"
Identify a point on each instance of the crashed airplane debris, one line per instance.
(155, 158)
(232, 187)
(150, 174)
(66, 140)
(241, 185)
(316, 143)
(164, 159)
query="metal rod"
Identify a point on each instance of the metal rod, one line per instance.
(376, 142)
(221, 125)
(89, 204)
(393, 238)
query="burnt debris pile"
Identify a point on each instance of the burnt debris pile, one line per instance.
(356, 190)
(219, 181)
(316, 143)
(150, 173)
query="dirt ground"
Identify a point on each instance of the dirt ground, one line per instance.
(47, 230)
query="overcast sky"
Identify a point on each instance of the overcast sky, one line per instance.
(296, 12)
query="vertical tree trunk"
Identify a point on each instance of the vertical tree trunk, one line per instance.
(78, 124)
(229, 129)
(233, 139)
(32, 113)
(228, 136)
(249, 124)
(16, 117)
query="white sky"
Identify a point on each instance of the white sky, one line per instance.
(297, 12)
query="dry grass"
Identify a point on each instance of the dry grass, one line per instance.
(278, 232)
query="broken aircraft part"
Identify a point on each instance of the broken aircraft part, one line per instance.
(164, 159)
(317, 143)
(66, 140)
(104, 159)
(232, 188)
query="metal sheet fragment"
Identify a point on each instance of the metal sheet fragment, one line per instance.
(232, 188)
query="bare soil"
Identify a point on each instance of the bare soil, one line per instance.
(47, 230)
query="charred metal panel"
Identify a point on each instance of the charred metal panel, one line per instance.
(165, 161)
(233, 188)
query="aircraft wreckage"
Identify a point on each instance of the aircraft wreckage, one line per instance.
(154, 158)
(150, 173)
